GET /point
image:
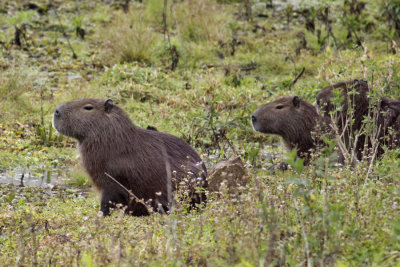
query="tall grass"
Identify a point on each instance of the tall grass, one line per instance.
(201, 20)
(194, 27)
(15, 85)
(129, 38)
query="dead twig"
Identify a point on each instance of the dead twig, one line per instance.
(297, 77)
(132, 195)
(74, 56)
(375, 145)
(172, 48)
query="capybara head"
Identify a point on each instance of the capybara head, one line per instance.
(88, 117)
(289, 117)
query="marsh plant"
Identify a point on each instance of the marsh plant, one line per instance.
(46, 135)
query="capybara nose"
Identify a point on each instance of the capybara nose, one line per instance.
(57, 113)
(253, 118)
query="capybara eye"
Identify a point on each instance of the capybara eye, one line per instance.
(279, 107)
(88, 107)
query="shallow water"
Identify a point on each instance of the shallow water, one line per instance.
(33, 176)
(49, 177)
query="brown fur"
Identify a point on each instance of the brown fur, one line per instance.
(135, 157)
(291, 118)
(358, 101)
(388, 122)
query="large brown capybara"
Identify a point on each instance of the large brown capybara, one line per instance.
(351, 95)
(148, 163)
(291, 118)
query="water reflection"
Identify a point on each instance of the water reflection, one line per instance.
(33, 176)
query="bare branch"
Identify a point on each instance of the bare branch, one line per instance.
(149, 208)
(297, 77)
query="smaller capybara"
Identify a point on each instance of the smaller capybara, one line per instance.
(388, 124)
(148, 163)
(291, 118)
(351, 94)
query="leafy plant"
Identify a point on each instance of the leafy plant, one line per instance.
(78, 178)
(390, 12)
(22, 17)
(46, 136)
(294, 161)
(251, 153)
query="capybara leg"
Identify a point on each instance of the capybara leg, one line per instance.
(137, 209)
(109, 199)
(105, 207)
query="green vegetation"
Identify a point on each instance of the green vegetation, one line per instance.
(196, 69)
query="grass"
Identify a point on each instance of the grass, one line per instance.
(129, 39)
(229, 65)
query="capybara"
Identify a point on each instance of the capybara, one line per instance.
(148, 163)
(388, 124)
(291, 118)
(350, 95)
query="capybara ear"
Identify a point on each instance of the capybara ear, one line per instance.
(108, 105)
(296, 101)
